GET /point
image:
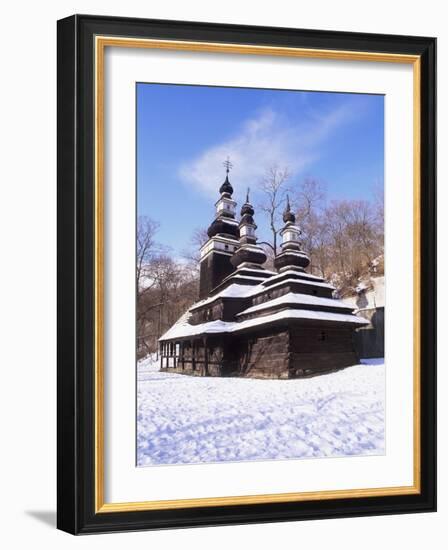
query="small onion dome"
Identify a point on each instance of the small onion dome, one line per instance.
(226, 187)
(288, 216)
(247, 219)
(220, 226)
(247, 208)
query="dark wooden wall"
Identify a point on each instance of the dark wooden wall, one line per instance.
(280, 353)
(214, 268)
(318, 350)
(265, 357)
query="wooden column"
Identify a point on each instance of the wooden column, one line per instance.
(204, 342)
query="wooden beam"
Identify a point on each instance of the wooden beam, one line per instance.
(205, 356)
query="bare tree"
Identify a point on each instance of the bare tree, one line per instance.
(378, 194)
(192, 254)
(174, 288)
(146, 249)
(355, 239)
(273, 187)
(310, 199)
(166, 287)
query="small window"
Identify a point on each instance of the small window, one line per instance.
(322, 336)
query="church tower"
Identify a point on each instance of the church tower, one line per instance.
(292, 256)
(223, 241)
(249, 254)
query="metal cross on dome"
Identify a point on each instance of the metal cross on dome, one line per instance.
(228, 165)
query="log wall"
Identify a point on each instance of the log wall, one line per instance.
(293, 352)
(316, 351)
(265, 357)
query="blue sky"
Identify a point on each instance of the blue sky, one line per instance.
(184, 133)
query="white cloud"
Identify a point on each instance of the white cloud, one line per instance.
(267, 139)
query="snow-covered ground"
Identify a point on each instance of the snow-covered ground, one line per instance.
(185, 419)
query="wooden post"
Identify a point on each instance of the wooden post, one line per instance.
(204, 341)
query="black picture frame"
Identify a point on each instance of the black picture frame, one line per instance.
(76, 289)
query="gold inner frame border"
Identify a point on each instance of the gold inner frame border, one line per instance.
(101, 42)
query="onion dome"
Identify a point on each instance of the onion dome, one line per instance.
(226, 188)
(288, 216)
(247, 208)
(247, 212)
(224, 224)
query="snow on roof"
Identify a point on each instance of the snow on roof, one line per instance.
(242, 267)
(264, 287)
(183, 329)
(291, 251)
(301, 274)
(251, 247)
(263, 274)
(232, 291)
(289, 314)
(181, 323)
(221, 239)
(229, 220)
(292, 298)
(248, 277)
(244, 291)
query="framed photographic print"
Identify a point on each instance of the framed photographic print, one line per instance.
(246, 267)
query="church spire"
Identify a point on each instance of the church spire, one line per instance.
(288, 216)
(226, 188)
(224, 222)
(292, 255)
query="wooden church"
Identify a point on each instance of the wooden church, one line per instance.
(251, 322)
